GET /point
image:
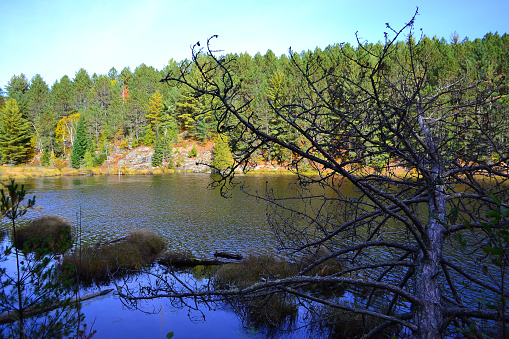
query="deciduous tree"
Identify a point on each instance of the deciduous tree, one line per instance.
(395, 235)
(222, 156)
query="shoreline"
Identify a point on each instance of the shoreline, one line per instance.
(36, 171)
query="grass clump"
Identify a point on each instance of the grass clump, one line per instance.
(184, 259)
(252, 270)
(48, 233)
(270, 311)
(147, 242)
(342, 324)
(274, 311)
(98, 262)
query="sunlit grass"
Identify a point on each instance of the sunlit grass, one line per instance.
(50, 232)
(96, 263)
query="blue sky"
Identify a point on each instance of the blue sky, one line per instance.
(55, 38)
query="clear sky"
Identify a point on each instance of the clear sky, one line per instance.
(55, 38)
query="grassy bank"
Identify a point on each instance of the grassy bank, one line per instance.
(32, 171)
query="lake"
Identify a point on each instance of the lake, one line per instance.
(180, 207)
(187, 213)
(190, 216)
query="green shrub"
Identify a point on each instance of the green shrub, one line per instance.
(99, 160)
(193, 152)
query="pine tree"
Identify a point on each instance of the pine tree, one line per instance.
(62, 96)
(15, 143)
(82, 87)
(38, 102)
(149, 137)
(222, 155)
(17, 89)
(80, 145)
(157, 157)
(45, 157)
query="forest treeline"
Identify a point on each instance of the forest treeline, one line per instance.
(129, 108)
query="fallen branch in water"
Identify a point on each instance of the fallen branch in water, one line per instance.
(227, 255)
(31, 311)
(190, 262)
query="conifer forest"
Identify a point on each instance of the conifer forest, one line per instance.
(91, 112)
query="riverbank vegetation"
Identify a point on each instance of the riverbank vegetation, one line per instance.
(98, 263)
(47, 233)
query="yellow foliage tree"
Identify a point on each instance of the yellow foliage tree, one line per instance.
(155, 109)
(66, 129)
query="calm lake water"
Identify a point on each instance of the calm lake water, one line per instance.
(189, 216)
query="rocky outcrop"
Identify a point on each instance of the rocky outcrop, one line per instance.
(140, 158)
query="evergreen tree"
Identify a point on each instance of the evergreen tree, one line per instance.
(45, 157)
(38, 95)
(17, 89)
(149, 137)
(113, 74)
(62, 97)
(80, 145)
(82, 87)
(15, 144)
(202, 132)
(222, 155)
(157, 157)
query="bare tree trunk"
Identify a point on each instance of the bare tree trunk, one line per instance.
(429, 313)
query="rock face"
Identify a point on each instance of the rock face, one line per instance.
(140, 158)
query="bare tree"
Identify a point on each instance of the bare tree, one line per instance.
(410, 191)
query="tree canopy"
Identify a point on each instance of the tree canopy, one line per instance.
(118, 106)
